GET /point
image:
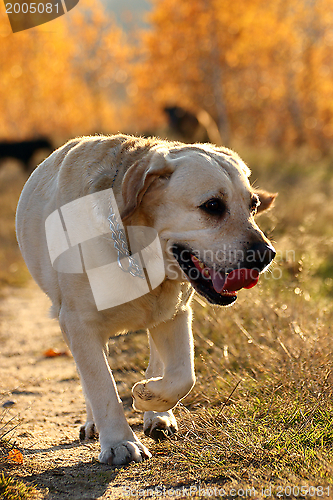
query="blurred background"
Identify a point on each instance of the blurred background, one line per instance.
(262, 70)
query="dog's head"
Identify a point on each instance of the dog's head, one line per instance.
(199, 199)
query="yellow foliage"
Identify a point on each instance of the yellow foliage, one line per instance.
(262, 68)
(60, 79)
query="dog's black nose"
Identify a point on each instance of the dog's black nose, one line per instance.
(260, 255)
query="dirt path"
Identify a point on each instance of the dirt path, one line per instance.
(49, 405)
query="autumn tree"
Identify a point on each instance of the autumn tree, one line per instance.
(65, 77)
(262, 69)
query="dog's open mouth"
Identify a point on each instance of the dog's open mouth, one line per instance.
(217, 287)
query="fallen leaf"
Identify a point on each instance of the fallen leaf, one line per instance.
(52, 353)
(15, 456)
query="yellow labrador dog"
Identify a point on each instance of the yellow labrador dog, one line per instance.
(196, 204)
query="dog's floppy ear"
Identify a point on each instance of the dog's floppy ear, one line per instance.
(266, 200)
(140, 176)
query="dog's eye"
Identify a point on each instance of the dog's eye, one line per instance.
(215, 206)
(255, 202)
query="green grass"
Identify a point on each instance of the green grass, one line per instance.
(262, 436)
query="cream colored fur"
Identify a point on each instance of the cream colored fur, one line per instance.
(157, 184)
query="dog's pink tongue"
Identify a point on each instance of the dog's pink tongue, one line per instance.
(218, 280)
(241, 278)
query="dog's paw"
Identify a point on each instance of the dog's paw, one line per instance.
(146, 396)
(88, 431)
(162, 393)
(159, 426)
(123, 453)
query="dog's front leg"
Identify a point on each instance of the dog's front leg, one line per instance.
(119, 445)
(174, 343)
(157, 425)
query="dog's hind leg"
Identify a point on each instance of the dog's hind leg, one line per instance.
(157, 425)
(174, 343)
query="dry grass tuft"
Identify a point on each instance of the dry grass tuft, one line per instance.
(10, 489)
(11, 457)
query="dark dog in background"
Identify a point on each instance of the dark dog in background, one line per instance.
(23, 150)
(191, 126)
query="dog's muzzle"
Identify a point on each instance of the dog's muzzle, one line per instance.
(221, 286)
(259, 256)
